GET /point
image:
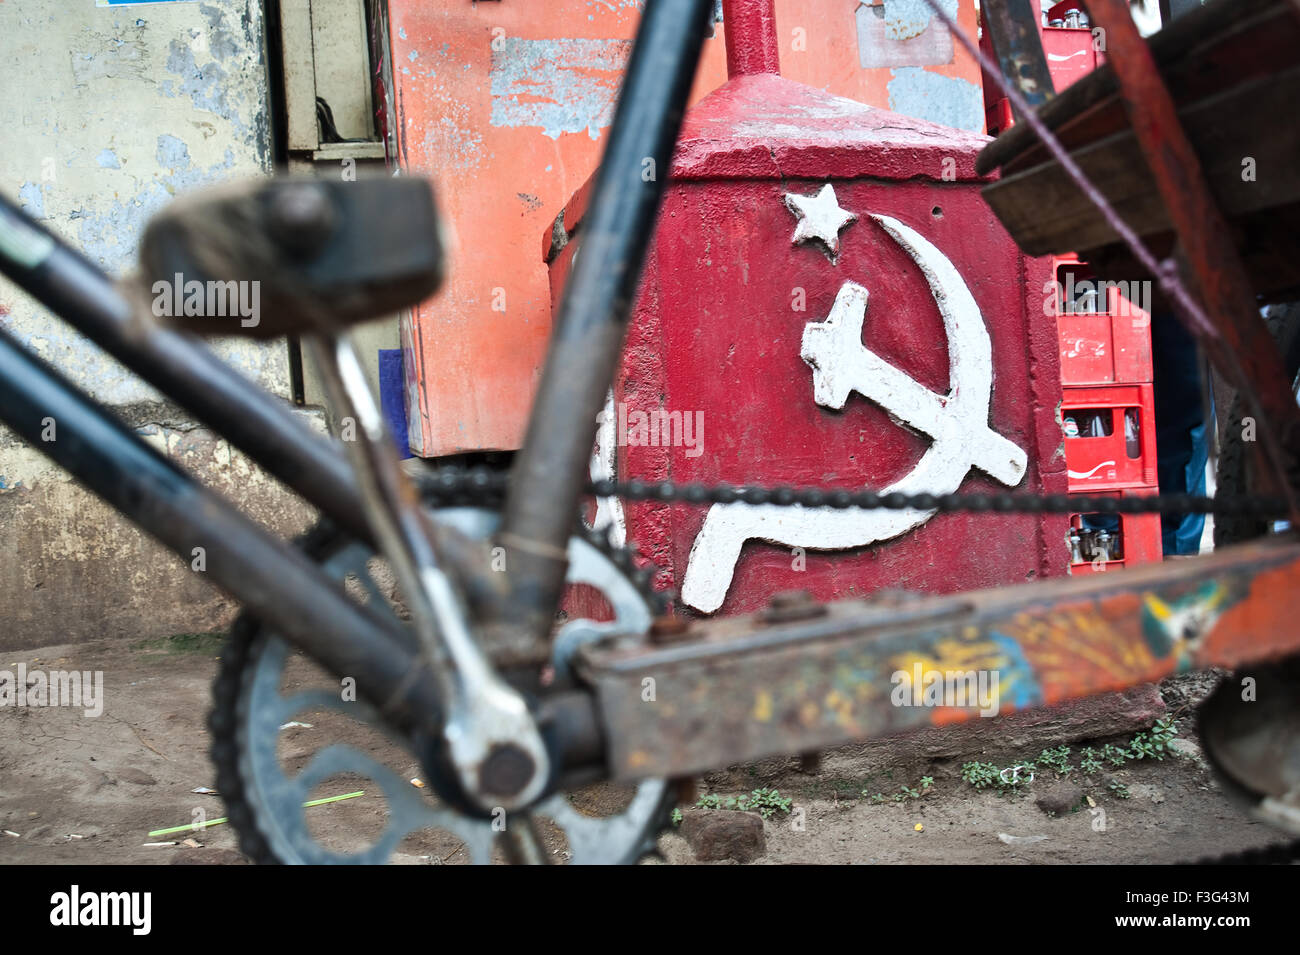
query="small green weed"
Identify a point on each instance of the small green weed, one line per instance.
(766, 802)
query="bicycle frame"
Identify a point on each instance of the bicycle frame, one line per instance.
(760, 703)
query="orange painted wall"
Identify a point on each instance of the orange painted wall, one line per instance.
(506, 105)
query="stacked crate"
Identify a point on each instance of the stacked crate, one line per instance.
(1108, 415)
(1108, 403)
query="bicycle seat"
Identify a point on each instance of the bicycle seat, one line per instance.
(292, 256)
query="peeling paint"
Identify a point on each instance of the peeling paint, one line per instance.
(561, 85)
(97, 181)
(898, 33)
(905, 19)
(612, 6)
(203, 85)
(453, 136)
(111, 115)
(211, 86)
(32, 200)
(940, 99)
(112, 58)
(109, 235)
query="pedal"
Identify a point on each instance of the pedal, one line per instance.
(292, 256)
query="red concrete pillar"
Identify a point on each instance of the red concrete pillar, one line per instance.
(750, 28)
(829, 302)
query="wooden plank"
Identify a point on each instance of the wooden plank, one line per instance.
(299, 74)
(1220, 45)
(1225, 130)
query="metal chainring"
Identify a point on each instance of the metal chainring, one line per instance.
(265, 805)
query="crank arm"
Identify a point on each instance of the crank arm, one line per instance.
(493, 741)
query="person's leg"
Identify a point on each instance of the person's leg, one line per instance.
(1181, 438)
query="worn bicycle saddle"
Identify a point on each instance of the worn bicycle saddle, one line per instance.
(290, 256)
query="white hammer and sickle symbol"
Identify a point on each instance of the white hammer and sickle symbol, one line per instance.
(957, 423)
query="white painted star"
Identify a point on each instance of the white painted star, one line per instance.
(820, 217)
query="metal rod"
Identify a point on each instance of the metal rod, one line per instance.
(550, 469)
(390, 500)
(1076, 636)
(484, 716)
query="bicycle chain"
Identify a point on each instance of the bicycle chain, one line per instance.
(482, 483)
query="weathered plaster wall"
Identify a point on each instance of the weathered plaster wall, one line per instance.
(76, 571)
(108, 112)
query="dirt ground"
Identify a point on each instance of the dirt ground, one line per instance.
(88, 790)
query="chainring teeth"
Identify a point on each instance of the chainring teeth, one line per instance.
(238, 755)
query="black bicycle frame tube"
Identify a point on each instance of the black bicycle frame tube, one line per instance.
(587, 338)
(281, 586)
(182, 368)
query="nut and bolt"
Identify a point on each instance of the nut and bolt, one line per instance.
(506, 770)
(669, 628)
(790, 605)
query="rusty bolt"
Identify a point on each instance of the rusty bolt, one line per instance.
(792, 605)
(668, 627)
(506, 770)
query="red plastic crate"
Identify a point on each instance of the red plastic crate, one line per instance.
(1110, 437)
(1071, 55)
(1105, 337)
(1071, 51)
(1137, 540)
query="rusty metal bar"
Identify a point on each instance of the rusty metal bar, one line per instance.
(744, 688)
(1211, 265)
